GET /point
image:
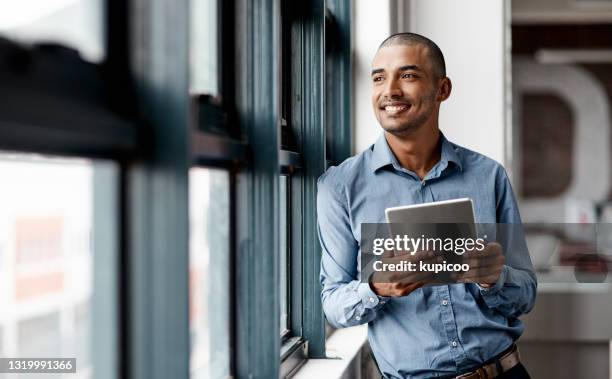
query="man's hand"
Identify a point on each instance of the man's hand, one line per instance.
(485, 265)
(402, 283)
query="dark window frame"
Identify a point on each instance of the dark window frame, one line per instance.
(163, 132)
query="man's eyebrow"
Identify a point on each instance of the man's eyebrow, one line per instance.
(410, 67)
(403, 68)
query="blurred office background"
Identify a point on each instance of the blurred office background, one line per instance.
(159, 162)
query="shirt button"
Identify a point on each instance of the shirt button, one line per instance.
(371, 300)
(445, 302)
(422, 182)
(357, 318)
(454, 343)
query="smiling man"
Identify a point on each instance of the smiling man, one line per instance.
(417, 330)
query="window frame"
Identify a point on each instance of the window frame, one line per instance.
(322, 130)
(167, 132)
(117, 142)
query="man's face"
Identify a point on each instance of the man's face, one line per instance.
(404, 88)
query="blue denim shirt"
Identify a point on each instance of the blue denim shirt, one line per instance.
(435, 331)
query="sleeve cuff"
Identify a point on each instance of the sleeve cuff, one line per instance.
(497, 286)
(368, 298)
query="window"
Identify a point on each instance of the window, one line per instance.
(304, 125)
(210, 267)
(75, 24)
(192, 164)
(204, 55)
(285, 265)
(54, 259)
(217, 154)
(40, 336)
(290, 192)
(338, 88)
(338, 79)
(211, 64)
(58, 55)
(64, 94)
(82, 334)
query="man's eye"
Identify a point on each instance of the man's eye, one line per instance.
(378, 79)
(409, 76)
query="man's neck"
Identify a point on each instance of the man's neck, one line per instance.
(419, 151)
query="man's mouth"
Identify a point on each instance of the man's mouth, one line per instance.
(394, 109)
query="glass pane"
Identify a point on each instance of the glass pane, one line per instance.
(204, 47)
(209, 273)
(284, 254)
(77, 24)
(56, 295)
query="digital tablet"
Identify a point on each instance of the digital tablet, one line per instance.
(437, 221)
(459, 211)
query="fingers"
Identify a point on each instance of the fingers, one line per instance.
(488, 279)
(485, 262)
(407, 289)
(484, 266)
(396, 289)
(483, 274)
(388, 254)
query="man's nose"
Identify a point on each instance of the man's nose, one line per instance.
(392, 88)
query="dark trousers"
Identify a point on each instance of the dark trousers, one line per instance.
(516, 372)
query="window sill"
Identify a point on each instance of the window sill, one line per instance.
(342, 347)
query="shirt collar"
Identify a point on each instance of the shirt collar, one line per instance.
(383, 156)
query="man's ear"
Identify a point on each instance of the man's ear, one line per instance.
(446, 87)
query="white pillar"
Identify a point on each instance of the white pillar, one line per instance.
(372, 25)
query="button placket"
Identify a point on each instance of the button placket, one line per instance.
(448, 320)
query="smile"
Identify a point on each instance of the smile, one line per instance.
(395, 109)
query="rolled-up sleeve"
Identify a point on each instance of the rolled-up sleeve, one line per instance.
(515, 291)
(346, 300)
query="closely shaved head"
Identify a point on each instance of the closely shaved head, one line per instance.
(409, 83)
(410, 39)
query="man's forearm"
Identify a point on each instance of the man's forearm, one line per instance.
(350, 304)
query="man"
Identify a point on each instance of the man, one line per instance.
(419, 331)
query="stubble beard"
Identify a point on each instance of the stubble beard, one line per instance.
(413, 125)
(410, 127)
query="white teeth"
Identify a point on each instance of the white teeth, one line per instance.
(395, 108)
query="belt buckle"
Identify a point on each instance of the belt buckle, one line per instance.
(466, 375)
(482, 374)
(479, 372)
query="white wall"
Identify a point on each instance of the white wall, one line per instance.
(472, 34)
